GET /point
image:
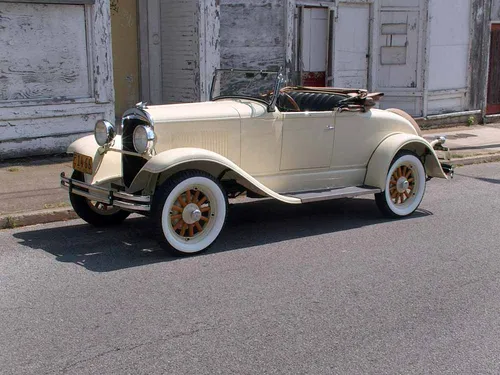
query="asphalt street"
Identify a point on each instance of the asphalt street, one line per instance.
(325, 288)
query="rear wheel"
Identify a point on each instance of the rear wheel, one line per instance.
(189, 211)
(404, 186)
(95, 213)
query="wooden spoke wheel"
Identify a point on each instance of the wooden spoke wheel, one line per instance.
(402, 184)
(405, 186)
(190, 210)
(191, 213)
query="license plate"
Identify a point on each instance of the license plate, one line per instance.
(82, 163)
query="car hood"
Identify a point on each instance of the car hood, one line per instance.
(221, 109)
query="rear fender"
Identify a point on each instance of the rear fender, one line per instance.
(162, 166)
(379, 164)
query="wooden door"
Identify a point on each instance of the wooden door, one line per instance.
(313, 50)
(493, 105)
(351, 51)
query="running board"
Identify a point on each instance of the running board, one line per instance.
(325, 195)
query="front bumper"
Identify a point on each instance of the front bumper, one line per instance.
(125, 201)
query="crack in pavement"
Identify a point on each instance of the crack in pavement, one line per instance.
(133, 347)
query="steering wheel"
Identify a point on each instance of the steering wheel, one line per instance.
(291, 101)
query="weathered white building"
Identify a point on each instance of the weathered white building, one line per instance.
(422, 54)
(55, 73)
(415, 51)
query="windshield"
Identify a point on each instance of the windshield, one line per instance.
(255, 84)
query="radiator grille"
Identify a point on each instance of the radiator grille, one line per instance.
(131, 165)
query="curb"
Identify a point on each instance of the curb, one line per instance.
(476, 159)
(22, 219)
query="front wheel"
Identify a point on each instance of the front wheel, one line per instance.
(95, 213)
(404, 186)
(189, 210)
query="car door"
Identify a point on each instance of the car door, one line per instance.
(307, 141)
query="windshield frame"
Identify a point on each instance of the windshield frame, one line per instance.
(271, 105)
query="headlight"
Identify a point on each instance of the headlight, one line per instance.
(104, 132)
(144, 138)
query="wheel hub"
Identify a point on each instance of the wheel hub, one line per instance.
(402, 185)
(191, 214)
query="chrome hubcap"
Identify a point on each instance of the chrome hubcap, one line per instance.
(191, 214)
(402, 185)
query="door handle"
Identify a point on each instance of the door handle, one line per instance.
(330, 127)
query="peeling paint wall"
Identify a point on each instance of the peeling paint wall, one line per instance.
(180, 51)
(495, 11)
(125, 54)
(55, 75)
(480, 34)
(448, 55)
(252, 33)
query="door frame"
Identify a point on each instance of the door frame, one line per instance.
(150, 47)
(298, 12)
(495, 108)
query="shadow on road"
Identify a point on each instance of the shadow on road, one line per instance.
(249, 224)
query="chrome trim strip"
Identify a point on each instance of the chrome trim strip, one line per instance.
(131, 197)
(129, 202)
(132, 207)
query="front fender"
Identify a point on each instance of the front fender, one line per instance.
(195, 158)
(105, 165)
(379, 163)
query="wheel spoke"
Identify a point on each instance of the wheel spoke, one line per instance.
(204, 218)
(408, 174)
(177, 208)
(175, 217)
(203, 200)
(196, 196)
(394, 195)
(198, 226)
(188, 196)
(184, 229)
(179, 224)
(191, 230)
(205, 209)
(183, 203)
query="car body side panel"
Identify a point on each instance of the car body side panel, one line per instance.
(307, 140)
(381, 159)
(261, 139)
(357, 135)
(177, 157)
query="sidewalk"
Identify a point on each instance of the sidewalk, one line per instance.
(30, 192)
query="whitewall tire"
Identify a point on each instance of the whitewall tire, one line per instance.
(95, 213)
(404, 186)
(189, 211)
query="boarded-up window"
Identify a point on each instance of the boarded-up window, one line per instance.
(43, 52)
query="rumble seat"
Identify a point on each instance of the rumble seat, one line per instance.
(310, 101)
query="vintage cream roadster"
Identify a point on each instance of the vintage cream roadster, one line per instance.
(180, 163)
